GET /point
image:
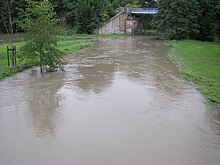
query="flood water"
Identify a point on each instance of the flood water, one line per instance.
(120, 102)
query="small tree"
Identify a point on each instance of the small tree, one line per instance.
(38, 21)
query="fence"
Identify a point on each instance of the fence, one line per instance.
(11, 55)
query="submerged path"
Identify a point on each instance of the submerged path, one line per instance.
(120, 102)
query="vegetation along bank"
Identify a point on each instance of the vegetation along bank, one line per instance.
(199, 62)
(65, 46)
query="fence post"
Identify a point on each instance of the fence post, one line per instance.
(15, 56)
(12, 56)
(8, 56)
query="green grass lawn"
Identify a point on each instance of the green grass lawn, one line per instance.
(66, 46)
(199, 62)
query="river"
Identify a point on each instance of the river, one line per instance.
(121, 102)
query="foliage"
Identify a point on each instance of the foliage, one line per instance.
(208, 19)
(184, 19)
(65, 46)
(87, 15)
(147, 19)
(39, 23)
(6, 15)
(216, 31)
(126, 3)
(199, 62)
(9, 14)
(178, 19)
(132, 4)
(82, 15)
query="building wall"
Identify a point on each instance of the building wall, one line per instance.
(120, 24)
(115, 25)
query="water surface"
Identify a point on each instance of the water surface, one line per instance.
(120, 102)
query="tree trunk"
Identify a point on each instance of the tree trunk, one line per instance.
(10, 20)
(8, 10)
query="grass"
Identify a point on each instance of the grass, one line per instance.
(150, 32)
(66, 46)
(71, 33)
(70, 46)
(93, 36)
(70, 42)
(101, 35)
(6, 71)
(3, 52)
(199, 62)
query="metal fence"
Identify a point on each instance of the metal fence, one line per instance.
(139, 10)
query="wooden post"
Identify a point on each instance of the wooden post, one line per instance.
(8, 56)
(15, 56)
(11, 56)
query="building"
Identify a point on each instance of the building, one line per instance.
(120, 24)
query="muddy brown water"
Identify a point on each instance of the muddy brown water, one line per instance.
(120, 102)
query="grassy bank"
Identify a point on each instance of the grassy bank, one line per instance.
(71, 33)
(70, 46)
(66, 46)
(93, 36)
(199, 62)
(101, 35)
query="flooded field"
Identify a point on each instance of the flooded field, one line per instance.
(120, 102)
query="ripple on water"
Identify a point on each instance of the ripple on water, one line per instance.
(119, 102)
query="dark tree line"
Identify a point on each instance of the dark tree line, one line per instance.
(9, 14)
(189, 19)
(83, 15)
(178, 19)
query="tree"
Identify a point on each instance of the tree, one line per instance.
(182, 19)
(148, 3)
(126, 3)
(8, 15)
(87, 15)
(38, 21)
(147, 19)
(132, 4)
(7, 18)
(178, 18)
(208, 19)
